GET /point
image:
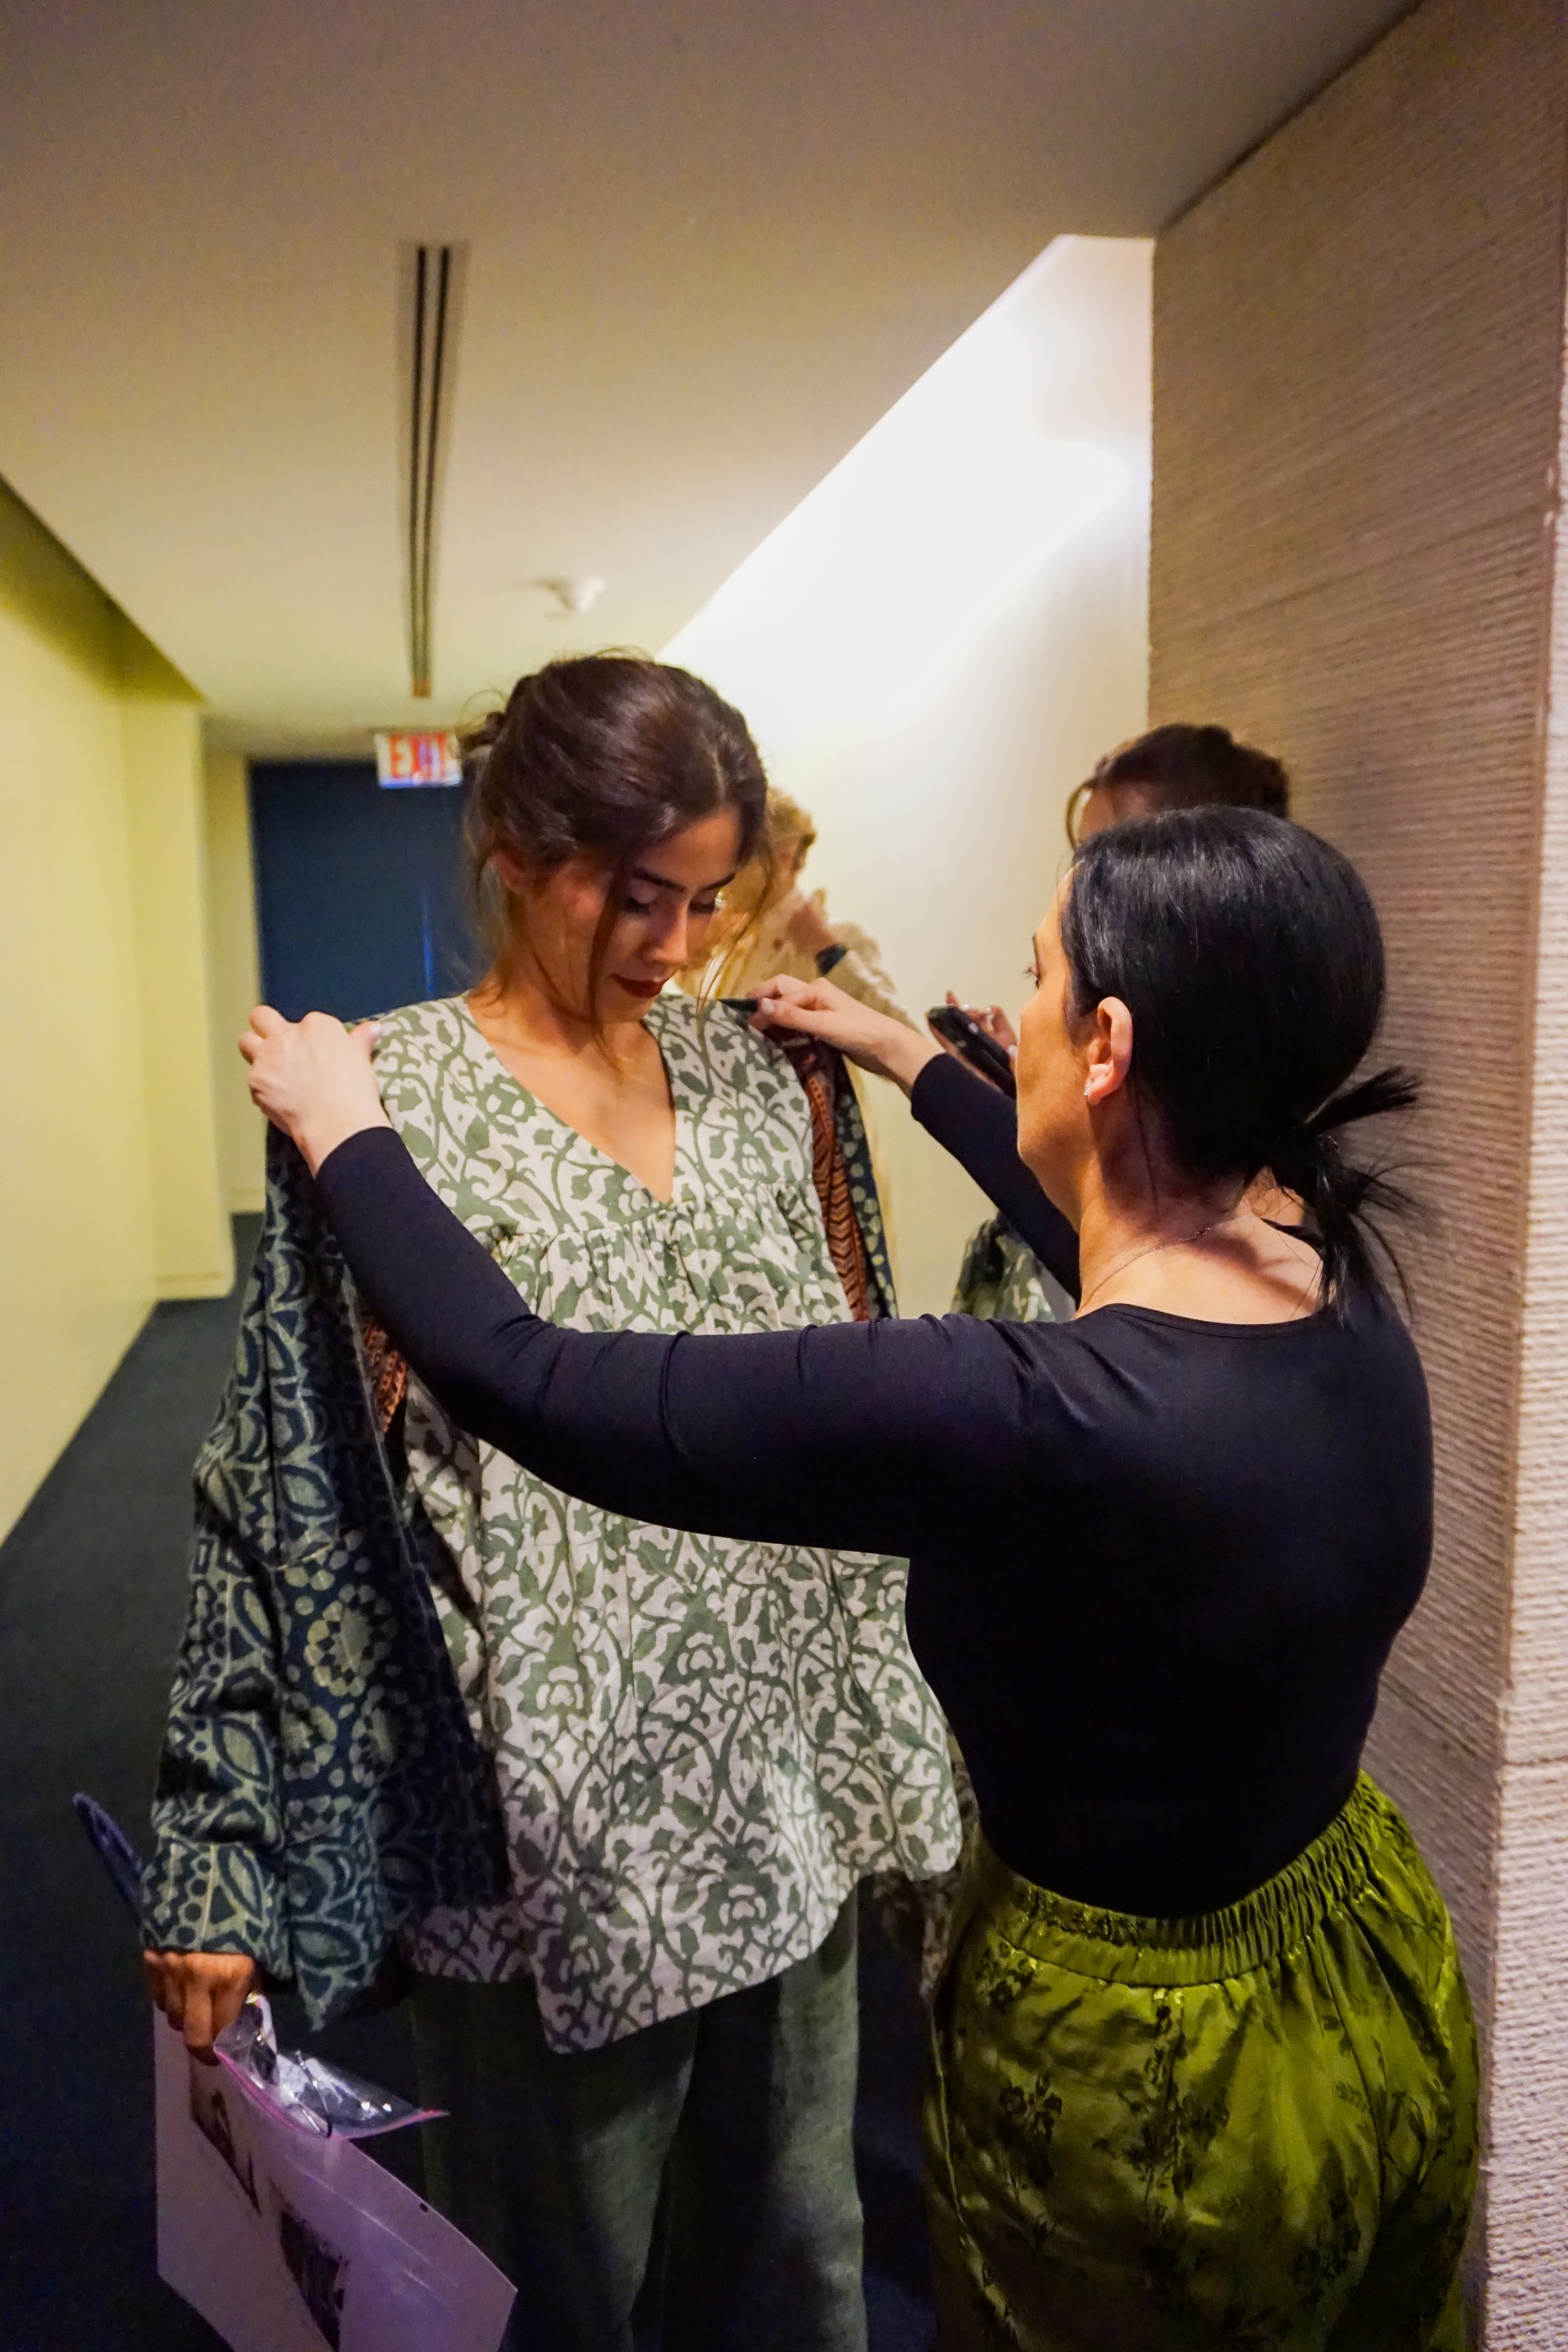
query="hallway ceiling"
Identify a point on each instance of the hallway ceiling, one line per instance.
(711, 242)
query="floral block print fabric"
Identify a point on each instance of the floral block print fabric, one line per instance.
(1255, 2132)
(999, 1280)
(700, 1745)
(320, 1785)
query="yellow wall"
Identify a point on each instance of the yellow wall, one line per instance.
(235, 980)
(76, 1233)
(193, 1256)
(102, 926)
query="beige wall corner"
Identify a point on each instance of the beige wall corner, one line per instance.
(1358, 373)
(1529, 2183)
(235, 983)
(165, 791)
(935, 700)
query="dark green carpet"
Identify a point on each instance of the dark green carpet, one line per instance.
(91, 1597)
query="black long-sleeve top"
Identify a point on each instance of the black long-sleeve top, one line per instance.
(979, 1126)
(1156, 1564)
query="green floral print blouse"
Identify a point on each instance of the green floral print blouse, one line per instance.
(700, 1745)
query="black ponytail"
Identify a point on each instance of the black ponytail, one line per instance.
(1249, 955)
(1340, 1199)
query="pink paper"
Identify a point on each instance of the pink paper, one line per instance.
(285, 2242)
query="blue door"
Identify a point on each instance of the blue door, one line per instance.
(360, 891)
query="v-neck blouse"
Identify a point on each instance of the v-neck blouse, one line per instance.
(701, 1744)
(530, 1107)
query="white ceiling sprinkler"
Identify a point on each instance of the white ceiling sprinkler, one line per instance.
(573, 595)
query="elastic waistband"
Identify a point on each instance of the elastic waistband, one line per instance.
(1120, 1948)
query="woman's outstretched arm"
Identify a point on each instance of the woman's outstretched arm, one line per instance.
(980, 1127)
(968, 1118)
(875, 1436)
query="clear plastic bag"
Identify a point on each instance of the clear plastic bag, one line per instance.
(323, 2100)
(271, 2224)
(287, 2237)
(305, 2092)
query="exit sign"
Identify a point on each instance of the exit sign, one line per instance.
(410, 758)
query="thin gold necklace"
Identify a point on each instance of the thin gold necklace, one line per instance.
(1176, 1241)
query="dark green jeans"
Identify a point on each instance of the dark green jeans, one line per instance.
(703, 2167)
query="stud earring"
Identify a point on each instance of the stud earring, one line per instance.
(1088, 1089)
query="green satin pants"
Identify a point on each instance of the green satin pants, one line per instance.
(1254, 2131)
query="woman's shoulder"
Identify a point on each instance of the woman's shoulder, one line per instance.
(422, 1040)
(1369, 1316)
(433, 1017)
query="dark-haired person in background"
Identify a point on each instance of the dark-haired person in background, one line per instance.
(1205, 2068)
(1178, 766)
(618, 1847)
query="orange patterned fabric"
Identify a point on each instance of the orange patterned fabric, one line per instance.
(388, 1370)
(822, 1073)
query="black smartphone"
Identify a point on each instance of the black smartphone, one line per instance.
(747, 1005)
(978, 1048)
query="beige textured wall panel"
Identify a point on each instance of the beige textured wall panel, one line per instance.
(1535, 1722)
(1404, 700)
(1455, 1790)
(1403, 756)
(1357, 359)
(1358, 387)
(1526, 2304)
(1528, 2180)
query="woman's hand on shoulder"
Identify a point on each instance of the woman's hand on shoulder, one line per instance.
(313, 1078)
(816, 1009)
(200, 1993)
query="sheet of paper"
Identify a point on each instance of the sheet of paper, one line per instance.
(287, 2243)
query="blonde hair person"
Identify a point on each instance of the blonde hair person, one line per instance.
(771, 924)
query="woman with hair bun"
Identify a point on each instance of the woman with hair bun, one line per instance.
(1176, 766)
(1204, 2067)
(611, 1825)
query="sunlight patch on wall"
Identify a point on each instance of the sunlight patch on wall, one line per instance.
(938, 644)
(853, 614)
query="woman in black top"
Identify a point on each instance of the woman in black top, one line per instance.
(1204, 2070)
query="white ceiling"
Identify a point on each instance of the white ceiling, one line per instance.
(711, 242)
